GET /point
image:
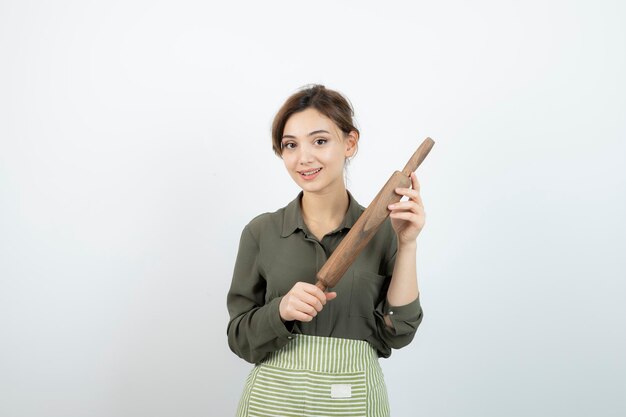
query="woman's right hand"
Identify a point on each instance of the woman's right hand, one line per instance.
(303, 302)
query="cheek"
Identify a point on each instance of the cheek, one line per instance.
(332, 157)
(286, 157)
(289, 161)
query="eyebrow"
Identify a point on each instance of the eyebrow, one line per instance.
(315, 132)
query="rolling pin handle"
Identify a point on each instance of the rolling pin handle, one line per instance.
(418, 157)
(319, 284)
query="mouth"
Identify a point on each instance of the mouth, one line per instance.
(309, 174)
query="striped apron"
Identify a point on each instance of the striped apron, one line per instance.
(317, 376)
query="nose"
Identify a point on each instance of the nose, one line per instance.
(306, 155)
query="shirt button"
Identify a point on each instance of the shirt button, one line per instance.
(391, 313)
(289, 337)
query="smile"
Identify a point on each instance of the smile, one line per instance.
(309, 173)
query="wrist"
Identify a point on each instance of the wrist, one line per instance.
(410, 245)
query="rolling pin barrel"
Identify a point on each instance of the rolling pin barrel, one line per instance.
(369, 222)
(361, 233)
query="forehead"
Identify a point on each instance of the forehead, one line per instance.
(307, 121)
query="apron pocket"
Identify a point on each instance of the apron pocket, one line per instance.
(277, 391)
(295, 392)
(336, 394)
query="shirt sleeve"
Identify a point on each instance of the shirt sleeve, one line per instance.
(255, 328)
(404, 319)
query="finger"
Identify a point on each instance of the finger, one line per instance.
(415, 186)
(405, 215)
(414, 182)
(305, 308)
(315, 291)
(412, 206)
(310, 293)
(416, 189)
(300, 316)
(331, 296)
(312, 301)
(407, 192)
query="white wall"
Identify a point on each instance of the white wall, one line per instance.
(134, 146)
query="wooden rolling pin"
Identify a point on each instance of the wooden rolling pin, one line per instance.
(366, 226)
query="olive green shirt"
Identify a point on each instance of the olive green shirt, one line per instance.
(276, 250)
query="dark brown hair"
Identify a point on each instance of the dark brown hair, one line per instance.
(328, 102)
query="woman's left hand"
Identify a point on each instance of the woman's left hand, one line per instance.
(408, 217)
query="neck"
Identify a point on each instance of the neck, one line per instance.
(327, 208)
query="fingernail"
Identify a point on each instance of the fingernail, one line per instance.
(391, 206)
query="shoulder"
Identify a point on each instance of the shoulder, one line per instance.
(264, 223)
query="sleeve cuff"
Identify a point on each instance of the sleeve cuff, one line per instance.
(404, 319)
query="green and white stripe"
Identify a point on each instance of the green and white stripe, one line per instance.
(298, 379)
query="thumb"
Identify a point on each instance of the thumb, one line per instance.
(330, 295)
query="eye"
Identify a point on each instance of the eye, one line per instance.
(320, 141)
(288, 145)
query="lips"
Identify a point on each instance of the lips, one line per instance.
(310, 175)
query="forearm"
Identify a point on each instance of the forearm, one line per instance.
(403, 288)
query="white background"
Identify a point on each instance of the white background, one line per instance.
(134, 147)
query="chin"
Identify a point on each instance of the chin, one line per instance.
(309, 188)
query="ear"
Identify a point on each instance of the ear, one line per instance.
(351, 142)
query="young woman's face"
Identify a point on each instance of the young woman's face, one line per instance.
(314, 151)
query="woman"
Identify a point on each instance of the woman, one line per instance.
(316, 353)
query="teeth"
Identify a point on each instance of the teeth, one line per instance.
(311, 172)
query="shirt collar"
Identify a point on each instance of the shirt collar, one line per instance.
(293, 219)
